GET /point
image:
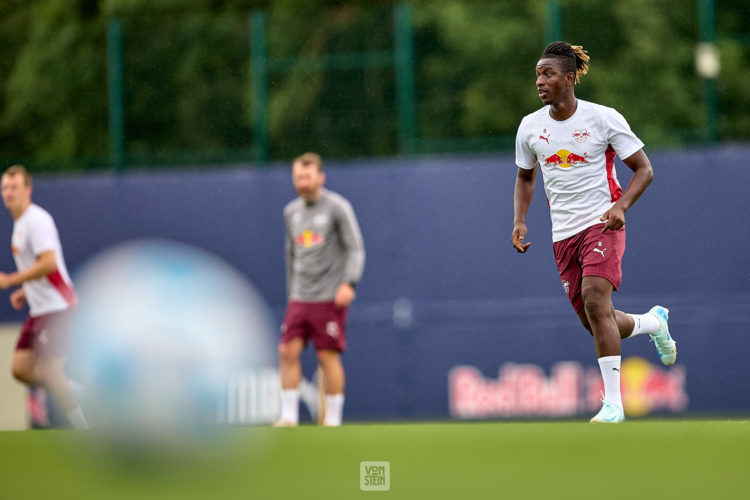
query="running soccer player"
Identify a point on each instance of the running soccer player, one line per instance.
(575, 143)
(42, 347)
(325, 258)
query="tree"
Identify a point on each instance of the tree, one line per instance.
(187, 75)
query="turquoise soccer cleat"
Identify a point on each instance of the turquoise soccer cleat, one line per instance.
(665, 344)
(609, 414)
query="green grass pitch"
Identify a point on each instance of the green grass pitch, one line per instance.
(549, 460)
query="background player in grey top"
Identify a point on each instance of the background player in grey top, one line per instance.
(324, 251)
(324, 261)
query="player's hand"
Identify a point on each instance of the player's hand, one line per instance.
(613, 219)
(18, 299)
(4, 281)
(516, 239)
(344, 295)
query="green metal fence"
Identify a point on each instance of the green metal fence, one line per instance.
(398, 81)
(401, 58)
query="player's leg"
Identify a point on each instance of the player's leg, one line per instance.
(51, 345)
(335, 380)
(597, 318)
(23, 366)
(333, 371)
(329, 336)
(599, 256)
(656, 324)
(290, 369)
(625, 322)
(23, 363)
(294, 333)
(52, 373)
(596, 293)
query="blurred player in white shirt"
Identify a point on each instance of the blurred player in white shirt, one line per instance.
(41, 350)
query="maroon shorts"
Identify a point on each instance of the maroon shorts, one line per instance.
(321, 322)
(48, 334)
(589, 253)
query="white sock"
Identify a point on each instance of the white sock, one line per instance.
(77, 419)
(290, 405)
(644, 323)
(610, 367)
(334, 409)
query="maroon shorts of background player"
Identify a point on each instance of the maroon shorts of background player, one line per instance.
(48, 334)
(321, 322)
(589, 253)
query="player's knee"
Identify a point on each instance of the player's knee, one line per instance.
(22, 368)
(21, 373)
(595, 302)
(288, 353)
(596, 309)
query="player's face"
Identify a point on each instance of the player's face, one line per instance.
(15, 192)
(551, 80)
(308, 180)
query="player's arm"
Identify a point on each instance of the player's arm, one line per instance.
(45, 264)
(642, 174)
(288, 257)
(354, 249)
(524, 191)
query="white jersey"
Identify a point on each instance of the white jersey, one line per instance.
(576, 158)
(34, 233)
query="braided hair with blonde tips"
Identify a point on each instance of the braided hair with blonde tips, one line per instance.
(573, 58)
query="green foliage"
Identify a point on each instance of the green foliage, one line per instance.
(734, 120)
(476, 66)
(343, 112)
(190, 92)
(187, 75)
(54, 106)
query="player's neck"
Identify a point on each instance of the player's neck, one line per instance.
(564, 109)
(313, 197)
(17, 213)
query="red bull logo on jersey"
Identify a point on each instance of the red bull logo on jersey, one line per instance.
(309, 239)
(570, 389)
(565, 159)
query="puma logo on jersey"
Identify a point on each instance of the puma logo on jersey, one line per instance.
(601, 251)
(545, 138)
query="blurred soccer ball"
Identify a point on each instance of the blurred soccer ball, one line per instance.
(161, 327)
